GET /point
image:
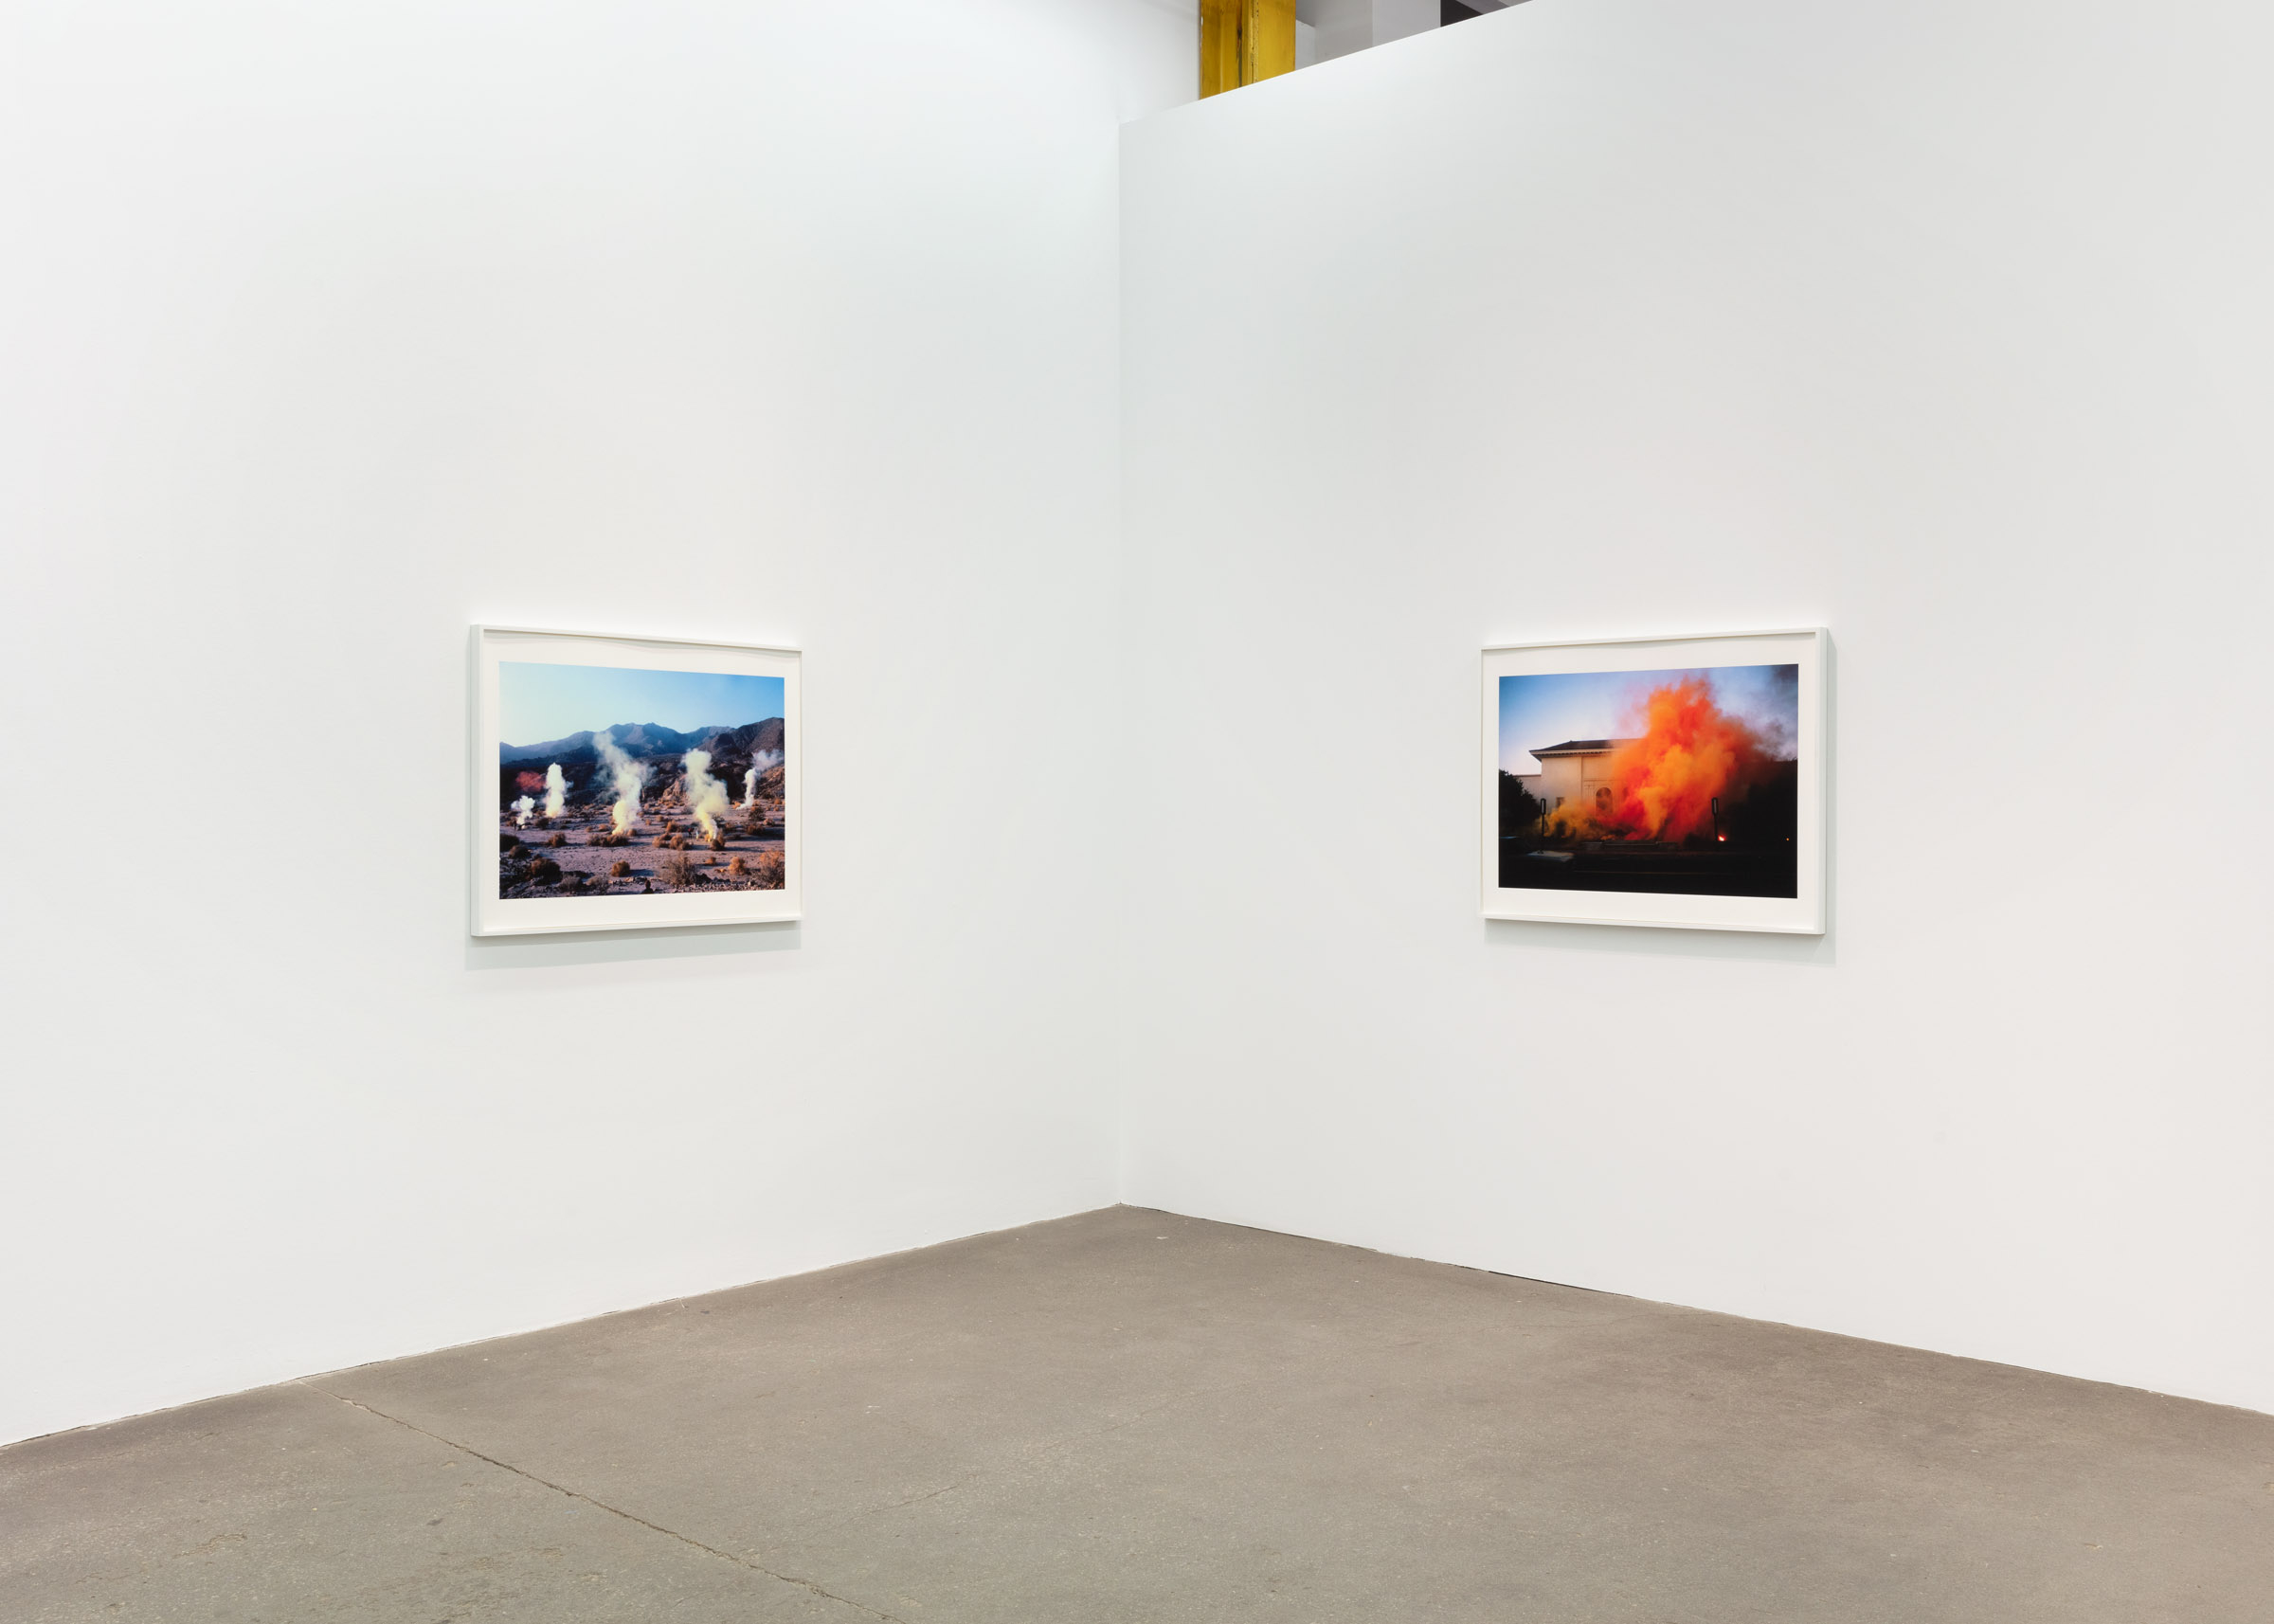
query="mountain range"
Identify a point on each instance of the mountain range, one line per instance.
(734, 751)
(639, 740)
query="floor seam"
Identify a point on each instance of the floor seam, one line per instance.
(603, 1506)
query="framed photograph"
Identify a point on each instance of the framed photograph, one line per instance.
(626, 781)
(1671, 782)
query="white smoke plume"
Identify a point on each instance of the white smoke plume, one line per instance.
(627, 776)
(749, 780)
(706, 796)
(522, 808)
(557, 790)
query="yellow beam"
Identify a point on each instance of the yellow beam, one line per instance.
(1220, 45)
(1266, 39)
(1242, 41)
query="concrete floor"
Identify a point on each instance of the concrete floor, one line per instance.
(1131, 1417)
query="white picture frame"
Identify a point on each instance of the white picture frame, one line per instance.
(738, 867)
(1654, 771)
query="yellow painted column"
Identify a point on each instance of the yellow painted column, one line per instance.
(1242, 41)
(1220, 45)
(1268, 39)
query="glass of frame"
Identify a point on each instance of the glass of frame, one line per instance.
(621, 782)
(1670, 782)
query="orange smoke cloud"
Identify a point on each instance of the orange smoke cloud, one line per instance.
(1663, 785)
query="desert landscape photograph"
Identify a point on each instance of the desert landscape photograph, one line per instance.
(617, 782)
(1684, 783)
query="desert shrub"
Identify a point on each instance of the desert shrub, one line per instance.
(737, 868)
(546, 871)
(678, 842)
(716, 842)
(558, 838)
(660, 841)
(769, 871)
(620, 869)
(507, 841)
(678, 870)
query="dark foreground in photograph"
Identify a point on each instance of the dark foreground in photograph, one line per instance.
(576, 856)
(1670, 871)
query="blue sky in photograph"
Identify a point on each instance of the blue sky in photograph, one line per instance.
(538, 703)
(1540, 710)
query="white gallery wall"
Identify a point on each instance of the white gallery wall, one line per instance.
(328, 330)
(1140, 561)
(1946, 326)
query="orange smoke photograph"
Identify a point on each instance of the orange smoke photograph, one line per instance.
(1677, 782)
